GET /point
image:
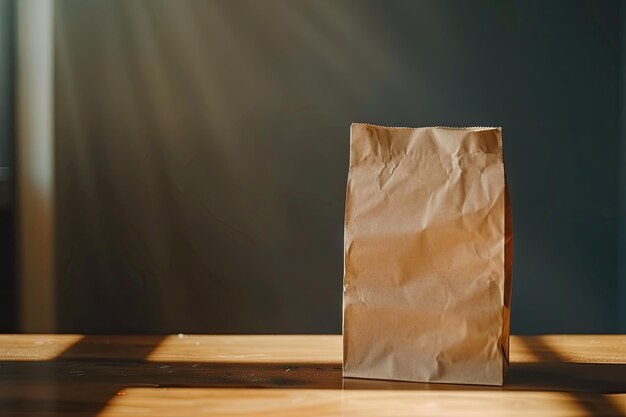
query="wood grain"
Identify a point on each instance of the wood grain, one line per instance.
(45, 375)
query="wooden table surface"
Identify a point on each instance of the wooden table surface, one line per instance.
(73, 375)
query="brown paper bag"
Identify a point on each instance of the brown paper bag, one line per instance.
(427, 271)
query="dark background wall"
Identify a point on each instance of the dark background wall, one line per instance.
(202, 151)
(8, 279)
(622, 169)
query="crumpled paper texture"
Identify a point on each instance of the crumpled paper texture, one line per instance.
(427, 267)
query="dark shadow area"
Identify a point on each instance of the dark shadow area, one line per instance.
(86, 386)
(125, 348)
(595, 379)
(8, 277)
(8, 281)
(81, 380)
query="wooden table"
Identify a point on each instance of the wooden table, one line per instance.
(72, 375)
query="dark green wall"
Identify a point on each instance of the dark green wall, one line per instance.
(202, 151)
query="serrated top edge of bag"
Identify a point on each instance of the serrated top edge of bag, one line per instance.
(429, 127)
